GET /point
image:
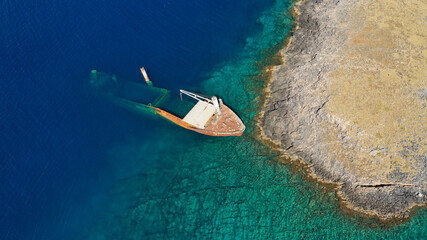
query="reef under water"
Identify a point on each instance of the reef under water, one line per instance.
(199, 186)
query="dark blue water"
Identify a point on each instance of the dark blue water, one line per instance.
(54, 134)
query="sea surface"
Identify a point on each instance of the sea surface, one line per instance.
(73, 166)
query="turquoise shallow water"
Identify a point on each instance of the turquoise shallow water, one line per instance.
(229, 188)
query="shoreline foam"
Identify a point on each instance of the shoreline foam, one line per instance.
(321, 36)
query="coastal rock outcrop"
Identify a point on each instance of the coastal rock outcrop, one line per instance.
(350, 101)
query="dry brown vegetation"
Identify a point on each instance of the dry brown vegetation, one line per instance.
(378, 91)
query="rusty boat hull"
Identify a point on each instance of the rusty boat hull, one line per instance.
(228, 124)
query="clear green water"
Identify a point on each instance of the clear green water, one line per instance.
(194, 186)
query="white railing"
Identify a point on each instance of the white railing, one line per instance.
(195, 96)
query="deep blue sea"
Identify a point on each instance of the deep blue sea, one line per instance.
(54, 133)
(73, 166)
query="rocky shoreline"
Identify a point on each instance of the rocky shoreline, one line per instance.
(350, 102)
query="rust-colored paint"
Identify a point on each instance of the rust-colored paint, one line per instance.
(228, 124)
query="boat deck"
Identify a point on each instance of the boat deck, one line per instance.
(200, 115)
(228, 124)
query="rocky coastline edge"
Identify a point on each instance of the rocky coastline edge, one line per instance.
(298, 115)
